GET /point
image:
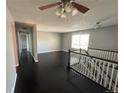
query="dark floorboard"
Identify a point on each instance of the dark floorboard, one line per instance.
(50, 75)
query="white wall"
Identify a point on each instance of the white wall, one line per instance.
(48, 42)
(10, 60)
(104, 38)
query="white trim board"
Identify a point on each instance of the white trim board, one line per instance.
(64, 50)
(36, 60)
(49, 51)
(52, 51)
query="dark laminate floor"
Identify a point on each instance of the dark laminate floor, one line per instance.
(49, 75)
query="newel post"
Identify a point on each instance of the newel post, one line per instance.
(68, 67)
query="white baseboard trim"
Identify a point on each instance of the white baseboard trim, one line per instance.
(64, 50)
(52, 51)
(36, 60)
(49, 51)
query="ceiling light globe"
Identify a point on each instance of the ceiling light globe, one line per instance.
(74, 11)
(58, 13)
(63, 15)
(68, 9)
(62, 10)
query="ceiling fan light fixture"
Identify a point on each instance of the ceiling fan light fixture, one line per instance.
(62, 10)
(68, 8)
(63, 15)
(74, 11)
(58, 13)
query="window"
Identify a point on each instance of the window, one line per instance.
(80, 41)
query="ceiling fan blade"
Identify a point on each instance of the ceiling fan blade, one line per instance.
(80, 8)
(49, 6)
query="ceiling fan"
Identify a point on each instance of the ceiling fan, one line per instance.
(66, 6)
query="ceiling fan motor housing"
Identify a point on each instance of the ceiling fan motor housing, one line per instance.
(65, 1)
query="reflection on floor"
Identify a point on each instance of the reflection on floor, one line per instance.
(49, 75)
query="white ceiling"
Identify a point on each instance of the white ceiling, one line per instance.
(27, 11)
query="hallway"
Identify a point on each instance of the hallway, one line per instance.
(50, 75)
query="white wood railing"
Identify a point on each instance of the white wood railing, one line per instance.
(100, 70)
(105, 54)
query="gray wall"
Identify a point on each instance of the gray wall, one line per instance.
(104, 38)
(10, 59)
(48, 42)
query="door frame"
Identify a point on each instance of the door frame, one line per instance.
(34, 41)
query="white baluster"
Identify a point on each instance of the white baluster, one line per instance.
(80, 65)
(98, 71)
(103, 54)
(89, 64)
(107, 55)
(95, 69)
(95, 53)
(82, 60)
(99, 54)
(110, 83)
(86, 66)
(115, 56)
(91, 69)
(93, 66)
(112, 56)
(83, 69)
(103, 65)
(73, 58)
(106, 76)
(116, 82)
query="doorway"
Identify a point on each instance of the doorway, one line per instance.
(24, 35)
